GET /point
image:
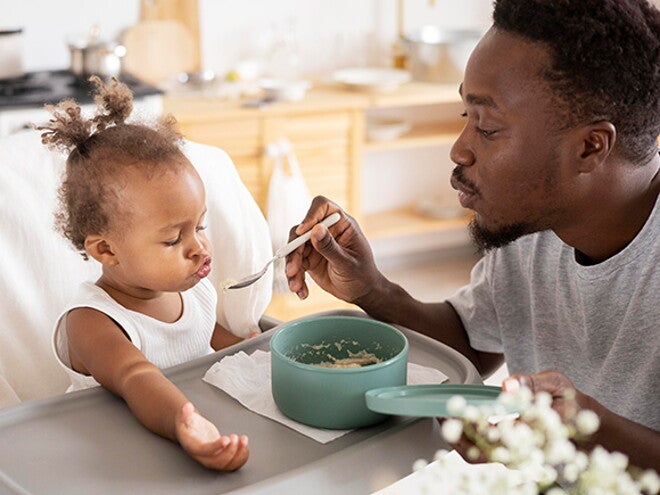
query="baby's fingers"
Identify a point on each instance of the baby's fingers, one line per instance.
(228, 453)
(241, 454)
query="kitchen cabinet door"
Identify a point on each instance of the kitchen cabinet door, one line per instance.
(324, 145)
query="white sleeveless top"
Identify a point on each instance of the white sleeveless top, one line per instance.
(163, 344)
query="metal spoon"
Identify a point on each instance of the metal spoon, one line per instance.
(282, 252)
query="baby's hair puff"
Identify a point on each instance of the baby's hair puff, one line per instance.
(68, 129)
(99, 150)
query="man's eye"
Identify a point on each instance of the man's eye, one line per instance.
(199, 228)
(484, 132)
(173, 242)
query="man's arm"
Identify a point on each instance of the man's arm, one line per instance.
(341, 262)
(390, 302)
(616, 433)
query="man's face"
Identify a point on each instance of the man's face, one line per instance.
(509, 154)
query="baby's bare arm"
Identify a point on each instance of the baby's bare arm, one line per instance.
(100, 348)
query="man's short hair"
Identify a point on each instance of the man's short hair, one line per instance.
(604, 62)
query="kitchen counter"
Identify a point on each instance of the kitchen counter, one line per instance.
(320, 98)
(22, 99)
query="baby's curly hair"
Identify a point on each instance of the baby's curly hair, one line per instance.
(605, 62)
(99, 149)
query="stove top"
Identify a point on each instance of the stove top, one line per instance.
(35, 89)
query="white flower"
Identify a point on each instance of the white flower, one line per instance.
(570, 473)
(456, 405)
(473, 453)
(493, 435)
(537, 449)
(559, 451)
(500, 454)
(587, 422)
(452, 429)
(439, 454)
(649, 481)
(543, 400)
(472, 413)
(420, 464)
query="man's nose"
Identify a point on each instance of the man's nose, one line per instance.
(461, 153)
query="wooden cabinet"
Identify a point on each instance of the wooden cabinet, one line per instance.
(326, 140)
(327, 133)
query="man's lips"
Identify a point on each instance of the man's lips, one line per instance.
(466, 195)
(205, 269)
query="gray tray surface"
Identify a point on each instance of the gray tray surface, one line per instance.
(89, 441)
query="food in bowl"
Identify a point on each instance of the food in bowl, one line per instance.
(312, 353)
(354, 360)
(312, 393)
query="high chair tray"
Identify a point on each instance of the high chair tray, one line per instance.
(89, 441)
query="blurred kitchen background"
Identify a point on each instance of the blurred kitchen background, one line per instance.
(339, 33)
(363, 94)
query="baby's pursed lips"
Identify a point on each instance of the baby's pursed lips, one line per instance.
(205, 268)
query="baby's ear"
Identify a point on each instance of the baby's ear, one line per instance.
(99, 249)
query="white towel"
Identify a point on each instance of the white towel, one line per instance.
(40, 271)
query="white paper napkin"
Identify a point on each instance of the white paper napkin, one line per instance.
(247, 379)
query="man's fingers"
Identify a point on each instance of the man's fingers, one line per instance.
(551, 382)
(320, 208)
(325, 244)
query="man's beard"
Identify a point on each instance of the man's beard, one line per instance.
(485, 239)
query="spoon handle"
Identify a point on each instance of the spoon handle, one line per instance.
(302, 239)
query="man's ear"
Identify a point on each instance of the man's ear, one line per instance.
(98, 248)
(596, 143)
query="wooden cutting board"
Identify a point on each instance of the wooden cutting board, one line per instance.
(157, 50)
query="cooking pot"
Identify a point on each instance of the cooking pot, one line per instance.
(435, 54)
(11, 53)
(91, 56)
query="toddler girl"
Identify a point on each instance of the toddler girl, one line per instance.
(131, 200)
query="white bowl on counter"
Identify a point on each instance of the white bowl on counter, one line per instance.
(384, 129)
(374, 79)
(284, 90)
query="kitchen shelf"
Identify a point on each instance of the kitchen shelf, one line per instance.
(413, 94)
(407, 221)
(419, 136)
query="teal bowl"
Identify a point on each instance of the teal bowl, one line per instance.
(330, 397)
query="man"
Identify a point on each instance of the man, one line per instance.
(559, 161)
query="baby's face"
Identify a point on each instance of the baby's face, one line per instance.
(161, 244)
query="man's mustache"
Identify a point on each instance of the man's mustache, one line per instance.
(459, 177)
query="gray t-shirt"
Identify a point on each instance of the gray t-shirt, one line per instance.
(599, 325)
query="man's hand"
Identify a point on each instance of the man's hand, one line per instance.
(566, 399)
(203, 442)
(339, 259)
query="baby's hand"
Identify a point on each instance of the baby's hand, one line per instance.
(203, 442)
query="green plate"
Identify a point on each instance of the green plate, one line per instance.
(428, 400)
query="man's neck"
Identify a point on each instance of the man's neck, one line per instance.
(610, 223)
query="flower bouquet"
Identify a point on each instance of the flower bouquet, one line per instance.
(537, 446)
